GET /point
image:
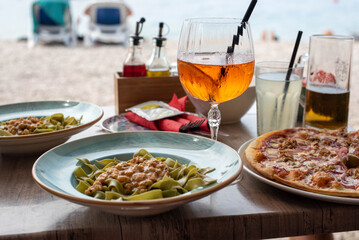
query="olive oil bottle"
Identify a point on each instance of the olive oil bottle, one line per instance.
(157, 65)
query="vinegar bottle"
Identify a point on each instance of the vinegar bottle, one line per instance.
(134, 65)
(157, 65)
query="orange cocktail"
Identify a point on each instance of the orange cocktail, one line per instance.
(215, 83)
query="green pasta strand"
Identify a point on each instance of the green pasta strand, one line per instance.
(80, 173)
(207, 180)
(111, 164)
(59, 117)
(166, 183)
(116, 186)
(162, 159)
(191, 173)
(86, 165)
(205, 170)
(82, 186)
(170, 193)
(89, 181)
(183, 171)
(170, 162)
(38, 130)
(95, 174)
(175, 173)
(110, 195)
(83, 161)
(5, 133)
(194, 183)
(106, 161)
(143, 153)
(100, 195)
(154, 194)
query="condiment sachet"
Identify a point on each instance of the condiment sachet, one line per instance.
(154, 110)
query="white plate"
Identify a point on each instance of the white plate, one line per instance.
(248, 168)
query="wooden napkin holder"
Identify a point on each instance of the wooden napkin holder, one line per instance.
(130, 91)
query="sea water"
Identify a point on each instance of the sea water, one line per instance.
(277, 104)
(281, 16)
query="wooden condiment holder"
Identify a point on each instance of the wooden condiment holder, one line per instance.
(130, 91)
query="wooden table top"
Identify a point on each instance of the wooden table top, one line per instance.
(248, 209)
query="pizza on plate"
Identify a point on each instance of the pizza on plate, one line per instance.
(315, 160)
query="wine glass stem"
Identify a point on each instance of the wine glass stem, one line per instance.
(214, 119)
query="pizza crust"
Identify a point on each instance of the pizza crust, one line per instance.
(326, 191)
(254, 157)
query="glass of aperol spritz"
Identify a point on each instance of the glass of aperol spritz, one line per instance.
(215, 61)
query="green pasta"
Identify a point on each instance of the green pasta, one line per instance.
(141, 178)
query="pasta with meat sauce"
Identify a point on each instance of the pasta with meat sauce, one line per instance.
(143, 177)
(34, 125)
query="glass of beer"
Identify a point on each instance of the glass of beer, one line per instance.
(206, 67)
(328, 81)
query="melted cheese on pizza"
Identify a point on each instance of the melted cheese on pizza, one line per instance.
(312, 157)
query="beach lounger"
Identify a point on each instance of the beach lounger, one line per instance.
(51, 22)
(107, 23)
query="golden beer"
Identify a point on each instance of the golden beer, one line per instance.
(327, 108)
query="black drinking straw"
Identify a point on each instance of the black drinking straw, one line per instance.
(246, 17)
(294, 54)
(249, 11)
(291, 63)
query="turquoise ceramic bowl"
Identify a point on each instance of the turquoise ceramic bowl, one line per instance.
(53, 171)
(39, 143)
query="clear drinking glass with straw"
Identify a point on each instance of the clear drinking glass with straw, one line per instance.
(209, 70)
(278, 87)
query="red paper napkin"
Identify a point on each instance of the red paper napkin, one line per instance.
(169, 124)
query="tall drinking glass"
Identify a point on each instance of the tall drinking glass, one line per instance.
(206, 68)
(328, 81)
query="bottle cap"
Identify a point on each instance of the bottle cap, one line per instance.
(160, 38)
(136, 37)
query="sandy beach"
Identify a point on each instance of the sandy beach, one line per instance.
(57, 72)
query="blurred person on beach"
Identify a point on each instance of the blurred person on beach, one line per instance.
(272, 36)
(328, 32)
